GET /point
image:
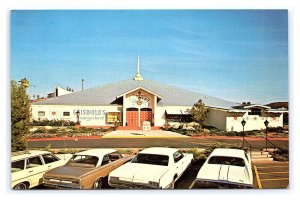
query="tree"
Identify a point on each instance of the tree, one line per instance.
(20, 116)
(199, 112)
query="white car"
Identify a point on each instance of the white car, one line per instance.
(225, 168)
(28, 168)
(155, 167)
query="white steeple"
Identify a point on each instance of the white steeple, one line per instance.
(138, 76)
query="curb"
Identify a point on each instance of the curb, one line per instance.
(144, 136)
(239, 138)
(65, 138)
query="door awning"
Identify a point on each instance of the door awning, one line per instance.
(174, 112)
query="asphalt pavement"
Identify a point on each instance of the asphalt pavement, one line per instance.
(271, 175)
(187, 142)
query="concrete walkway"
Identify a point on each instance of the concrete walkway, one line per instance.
(143, 134)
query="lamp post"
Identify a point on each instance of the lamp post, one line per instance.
(243, 124)
(266, 124)
(77, 116)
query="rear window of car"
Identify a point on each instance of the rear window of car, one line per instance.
(49, 158)
(17, 165)
(224, 160)
(83, 161)
(152, 159)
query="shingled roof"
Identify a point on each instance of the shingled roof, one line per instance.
(107, 94)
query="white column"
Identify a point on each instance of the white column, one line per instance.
(154, 109)
(139, 117)
(124, 111)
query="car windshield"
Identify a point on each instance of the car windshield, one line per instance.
(152, 159)
(224, 160)
(83, 161)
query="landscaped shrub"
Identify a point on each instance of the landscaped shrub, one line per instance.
(281, 154)
(198, 155)
(209, 149)
(40, 130)
(53, 122)
(67, 132)
(276, 129)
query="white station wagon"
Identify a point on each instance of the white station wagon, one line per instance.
(28, 168)
(225, 168)
(155, 167)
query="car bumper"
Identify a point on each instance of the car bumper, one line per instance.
(205, 183)
(60, 185)
(130, 185)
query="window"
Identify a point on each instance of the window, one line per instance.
(255, 111)
(41, 113)
(17, 166)
(48, 158)
(224, 160)
(105, 160)
(83, 161)
(114, 156)
(34, 162)
(152, 159)
(177, 156)
(65, 114)
(112, 117)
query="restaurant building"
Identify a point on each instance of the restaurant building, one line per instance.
(132, 102)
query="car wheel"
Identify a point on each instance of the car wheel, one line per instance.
(172, 185)
(98, 184)
(21, 186)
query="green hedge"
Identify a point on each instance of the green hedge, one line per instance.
(53, 122)
(281, 154)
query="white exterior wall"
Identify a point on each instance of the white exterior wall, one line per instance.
(96, 116)
(62, 91)
(159, 116)
(89, 115)
(253, 122)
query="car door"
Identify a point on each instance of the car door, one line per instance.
(114, 158)
(35, 169)
(178, 162)
(51, 161)
(18, 172)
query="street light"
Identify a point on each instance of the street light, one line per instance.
(243, 124)
(77, 116)
(266, 124)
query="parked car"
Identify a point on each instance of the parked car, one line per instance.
(85, 170)
(155, 167)
(225, 168)
(28, 167)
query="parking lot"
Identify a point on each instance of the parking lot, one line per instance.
(266, 175)
(271, 175)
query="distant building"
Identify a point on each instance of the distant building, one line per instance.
(131, 102)
(59, 91)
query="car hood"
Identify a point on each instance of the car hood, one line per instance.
(67, 172)
(224, 173)
(138, 172)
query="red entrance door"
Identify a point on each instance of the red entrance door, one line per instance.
(146, 116)
(132, 118)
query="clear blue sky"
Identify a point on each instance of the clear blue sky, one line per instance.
(238, 55)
